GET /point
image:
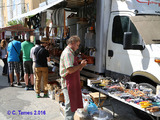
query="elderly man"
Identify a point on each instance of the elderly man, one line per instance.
(70, 77)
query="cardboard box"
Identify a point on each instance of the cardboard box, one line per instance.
(59, 97)
(95, 97)
(49, 87)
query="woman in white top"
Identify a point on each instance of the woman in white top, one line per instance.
(3, 49)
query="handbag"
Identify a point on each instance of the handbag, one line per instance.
(20, 55)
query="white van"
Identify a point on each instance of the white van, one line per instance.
(127, 41)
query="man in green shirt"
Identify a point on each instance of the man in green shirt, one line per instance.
(27, 62)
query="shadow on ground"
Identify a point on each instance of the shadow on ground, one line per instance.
(4, 79)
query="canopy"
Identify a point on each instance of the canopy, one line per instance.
(18, 27)
(148, 27)
(37, 10)
(69, 4)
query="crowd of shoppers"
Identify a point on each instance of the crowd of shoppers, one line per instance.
(35, 60)
(19, 56)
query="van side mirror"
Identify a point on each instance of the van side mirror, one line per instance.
(127, 42)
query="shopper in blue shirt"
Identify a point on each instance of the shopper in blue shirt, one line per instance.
(14, 49)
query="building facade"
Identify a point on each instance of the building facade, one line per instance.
(12, 8)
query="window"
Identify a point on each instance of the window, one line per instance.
(27, 7)
(120, 25)
(123, 24)
(136, 38)
(14, 4)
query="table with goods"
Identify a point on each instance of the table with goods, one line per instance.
(129, 93)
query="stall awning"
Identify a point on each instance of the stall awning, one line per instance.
(18, 28)
(37, 10)
(148, 27)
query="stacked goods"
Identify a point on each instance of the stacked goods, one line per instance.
(135, 93)
(145, 104)
(59, 97)
(153, 109)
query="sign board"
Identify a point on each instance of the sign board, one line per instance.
(142, 6)
(8, 33)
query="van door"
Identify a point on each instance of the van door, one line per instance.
(119, 60)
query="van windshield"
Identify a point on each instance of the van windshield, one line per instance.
(148, 27)
(123, 24)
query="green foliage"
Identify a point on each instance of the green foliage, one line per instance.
(15, 22)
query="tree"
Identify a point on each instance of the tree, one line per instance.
(15, 22)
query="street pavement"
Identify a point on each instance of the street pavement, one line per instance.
(18, 104)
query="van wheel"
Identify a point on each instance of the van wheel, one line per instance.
(139, 113)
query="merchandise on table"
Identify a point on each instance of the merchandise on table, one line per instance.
(129, 91)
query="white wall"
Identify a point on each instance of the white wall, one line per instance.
(18, 7)
(9, 9)
(1, 14)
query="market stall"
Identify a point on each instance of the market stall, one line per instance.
(129, 93)
(96, 24)
(18, 29)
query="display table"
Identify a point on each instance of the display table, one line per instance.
(156, 114)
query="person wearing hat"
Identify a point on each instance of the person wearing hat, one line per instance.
(41, 67)
(32, 56)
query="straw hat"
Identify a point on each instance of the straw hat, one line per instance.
(44, 40)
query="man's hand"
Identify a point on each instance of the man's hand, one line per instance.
(83, 63)
(71, 70)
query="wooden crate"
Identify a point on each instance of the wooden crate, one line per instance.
(95, 98)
